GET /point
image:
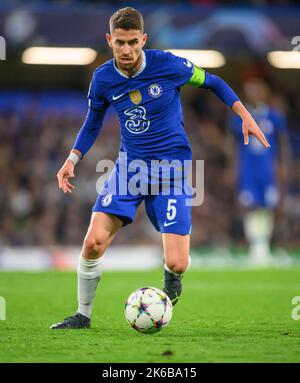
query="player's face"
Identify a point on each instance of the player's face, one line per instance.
(256, 92)
(127, 48)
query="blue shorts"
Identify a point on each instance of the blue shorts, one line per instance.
(168, 213)
(257, 191)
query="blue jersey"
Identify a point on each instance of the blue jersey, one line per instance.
(256, 164)
(149, 110)
(147, 104)
(254, 157)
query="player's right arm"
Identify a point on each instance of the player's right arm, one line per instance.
(85, 137)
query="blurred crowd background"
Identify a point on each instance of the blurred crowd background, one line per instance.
(38, 128)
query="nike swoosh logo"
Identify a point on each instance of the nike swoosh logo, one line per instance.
(187, 63)
(117, 97)
(169, 223)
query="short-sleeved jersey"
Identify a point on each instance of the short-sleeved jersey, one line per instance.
(254, 157)
(147, 104)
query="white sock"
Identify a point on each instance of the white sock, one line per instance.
(258, 225)
(89, 273)
(173, 272)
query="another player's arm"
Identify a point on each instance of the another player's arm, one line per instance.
(201, 78)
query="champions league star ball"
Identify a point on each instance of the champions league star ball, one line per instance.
(148, 310)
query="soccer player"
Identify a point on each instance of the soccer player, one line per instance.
(144, 88)
(257, 168)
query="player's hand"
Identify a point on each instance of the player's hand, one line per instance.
(250, 127)
(66, 172)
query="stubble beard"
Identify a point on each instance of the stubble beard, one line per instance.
(130, 68)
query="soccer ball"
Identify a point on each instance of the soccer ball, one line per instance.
(148, 310)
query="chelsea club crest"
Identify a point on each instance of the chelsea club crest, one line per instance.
(106, 200)
(155, 90)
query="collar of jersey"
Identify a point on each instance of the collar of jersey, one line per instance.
(142, 67)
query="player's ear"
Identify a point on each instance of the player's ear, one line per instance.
(108, 39)
(145, 37)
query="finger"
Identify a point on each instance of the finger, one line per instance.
(67, 183)
(263, 140)
(62, 182)
(70, 185)
(67, 190)
(66, 187)
(59, 179)
(246, 136)
(266, 144)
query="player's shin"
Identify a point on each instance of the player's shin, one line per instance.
(89, 274)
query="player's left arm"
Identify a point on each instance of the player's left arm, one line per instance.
(204, 79)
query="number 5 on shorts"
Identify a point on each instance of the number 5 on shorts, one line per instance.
(171, 209)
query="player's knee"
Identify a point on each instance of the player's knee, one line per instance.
(94, 247)
(178, 266)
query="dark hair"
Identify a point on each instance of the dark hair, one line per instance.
(126, 18)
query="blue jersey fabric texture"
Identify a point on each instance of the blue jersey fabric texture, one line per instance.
(110, 86)
(149, 110)
(220, 88)
(147, 105)
(89, 131)
(168, 213)
(256, 165)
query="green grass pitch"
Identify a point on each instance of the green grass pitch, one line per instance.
(222, 316)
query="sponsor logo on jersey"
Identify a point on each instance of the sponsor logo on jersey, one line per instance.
(155, 90)
(135, 96)
(106, 200)
(137, 122)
